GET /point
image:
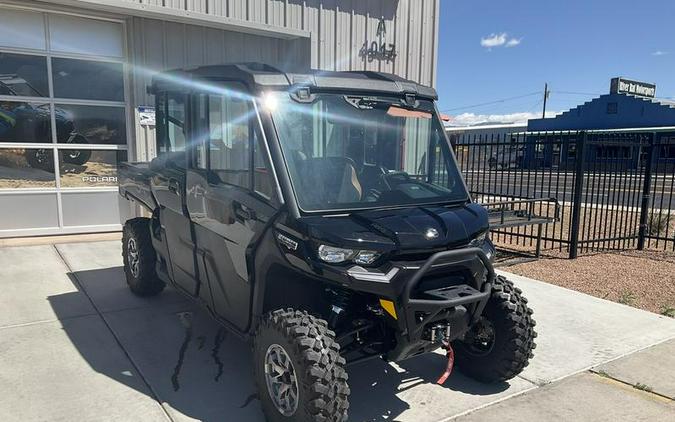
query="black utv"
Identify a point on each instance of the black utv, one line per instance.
(26, 122)
(323, 216)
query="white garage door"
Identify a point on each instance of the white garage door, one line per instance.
(63, 122)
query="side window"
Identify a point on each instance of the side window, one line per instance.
(232, 147)
(175, 117)
(171, 128)
(230, 138)
(262, 176)
(201, 132)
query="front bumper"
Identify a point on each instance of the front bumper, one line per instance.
(457, 304)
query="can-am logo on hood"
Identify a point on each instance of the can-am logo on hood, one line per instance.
(431, 234)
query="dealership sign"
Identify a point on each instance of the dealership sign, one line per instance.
(626, 86)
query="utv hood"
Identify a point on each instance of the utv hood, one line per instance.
(422, 227)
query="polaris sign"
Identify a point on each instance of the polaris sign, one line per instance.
(626, 86)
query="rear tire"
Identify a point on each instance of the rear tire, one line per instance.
(41, 158)
(140, 258)
(499, 345)
(315, 375)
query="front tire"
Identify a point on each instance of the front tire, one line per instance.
(77, 156)
(499, 345)
(140, 258)
(298, 369)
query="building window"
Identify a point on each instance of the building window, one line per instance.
(63, 118)
(667, 149)
(613, 152)
(612, 108)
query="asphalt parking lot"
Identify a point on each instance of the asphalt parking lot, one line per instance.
(75, 344)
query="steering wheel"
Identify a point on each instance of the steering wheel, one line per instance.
(396, 177)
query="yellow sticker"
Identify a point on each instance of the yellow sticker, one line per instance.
(388, 306)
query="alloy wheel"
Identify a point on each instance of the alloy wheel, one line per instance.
(133, 257)
(282, 383)
(480, 339)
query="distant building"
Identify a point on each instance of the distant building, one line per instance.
(630, 107)
(616, 110)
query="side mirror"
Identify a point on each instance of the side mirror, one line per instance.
(157, 164)
(173, 160)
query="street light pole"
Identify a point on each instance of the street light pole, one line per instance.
(546, 93)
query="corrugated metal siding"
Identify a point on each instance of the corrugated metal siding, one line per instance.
(160, 45)
(339, 28)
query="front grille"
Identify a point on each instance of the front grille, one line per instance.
(421, 254)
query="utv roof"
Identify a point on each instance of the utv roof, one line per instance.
(258, 77)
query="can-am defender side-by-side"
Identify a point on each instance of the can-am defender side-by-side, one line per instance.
(323, 216)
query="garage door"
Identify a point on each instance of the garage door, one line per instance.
(63, 122)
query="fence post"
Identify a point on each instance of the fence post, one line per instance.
(646, 193)
(578, 193)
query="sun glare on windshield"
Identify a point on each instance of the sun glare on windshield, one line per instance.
(350, 152)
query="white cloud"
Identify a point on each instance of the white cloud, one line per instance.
(472, 119)
(494, 40)
(513, 42)
(659, 53)
(499, 40)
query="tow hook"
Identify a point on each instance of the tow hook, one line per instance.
(451, 363)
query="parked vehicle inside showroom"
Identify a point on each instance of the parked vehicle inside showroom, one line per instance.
(322, 216)
(25, 122)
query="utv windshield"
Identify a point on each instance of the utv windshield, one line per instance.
(351, 152)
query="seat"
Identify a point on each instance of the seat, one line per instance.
(331, 180)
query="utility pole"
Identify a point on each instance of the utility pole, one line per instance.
(546, 94)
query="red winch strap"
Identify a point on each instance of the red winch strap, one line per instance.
(448, 369)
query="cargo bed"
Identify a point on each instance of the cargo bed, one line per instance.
(134, 183)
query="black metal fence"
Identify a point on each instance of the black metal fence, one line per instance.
(614, 188)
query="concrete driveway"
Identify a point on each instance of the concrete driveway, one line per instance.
(76, 345)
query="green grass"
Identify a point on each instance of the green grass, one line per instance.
(668, 311)
(643, 387)
(602, 373)
(627, 298)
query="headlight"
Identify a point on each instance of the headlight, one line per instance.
(334, 255)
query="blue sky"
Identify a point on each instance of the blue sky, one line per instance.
(498, 49)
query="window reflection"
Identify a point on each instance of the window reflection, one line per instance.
(87, 80)
(89, 168)
(79, 124)
(25, 122)
(26, 168)
(23, 75)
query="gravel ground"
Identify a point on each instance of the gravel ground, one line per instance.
(643, 279)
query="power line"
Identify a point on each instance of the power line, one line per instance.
(535, 106)
(592, 94)
(492, 102)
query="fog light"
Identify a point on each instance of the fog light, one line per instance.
(366, 257)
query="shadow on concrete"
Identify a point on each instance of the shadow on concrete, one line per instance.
(193, 366)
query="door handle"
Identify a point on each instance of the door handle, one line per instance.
(242, 212)
(174, 186)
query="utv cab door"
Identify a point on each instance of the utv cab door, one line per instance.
(229, 197)
(168, 185)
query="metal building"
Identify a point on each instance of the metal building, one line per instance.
(73, 76)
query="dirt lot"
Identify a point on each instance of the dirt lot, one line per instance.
(16, 172)
(643, 279)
